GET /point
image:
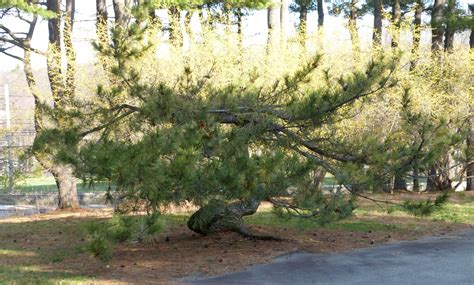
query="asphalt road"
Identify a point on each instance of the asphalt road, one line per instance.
(432, 260)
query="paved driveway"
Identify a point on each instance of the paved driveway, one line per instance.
(432, 260)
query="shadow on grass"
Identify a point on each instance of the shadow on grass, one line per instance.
(49, 251)
(53, 249)
(36, 275)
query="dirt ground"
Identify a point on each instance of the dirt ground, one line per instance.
(180, 253)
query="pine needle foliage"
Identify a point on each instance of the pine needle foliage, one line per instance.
(214, 135)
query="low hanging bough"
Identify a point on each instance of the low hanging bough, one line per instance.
(228, 148)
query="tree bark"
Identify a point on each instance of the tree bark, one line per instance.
(399, 183)
(122, 13)
(54, 53)
(396, 16)
(431, 182)
(240, 36)
(102, 30)
(416, 179)
(318, 178)
(285, 18)
(175, 33)
(471, 38)
(303, 20)
(437, 27)
(70, 52)
(450, 30)
(62, 92)
(187, 26)
(470, 157)
(101, 24)
(377, 34)
(274, 25)
(218, 216)
(352, 26)
(417, 26)
(320, 13)
(66, 183)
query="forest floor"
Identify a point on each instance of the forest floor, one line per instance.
(51, 248)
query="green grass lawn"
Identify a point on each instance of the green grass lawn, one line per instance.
(48, 184)
(54, 251)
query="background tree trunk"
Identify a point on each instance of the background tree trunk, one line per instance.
(470, 157)
(416, 179)
(471, 38)
(320, 7)
(377, 34)
(55, 75)
(450, 30)
(175, 33)
(303, 20)
(285, 18)
(70, 52)
(318, 178)
(431, 181)
(437, 27)
(352, 25)
(399, 183)
(102, 30)
(470, 138)
(396, 14)
(274, 25)
(122, 12)
(416, 33)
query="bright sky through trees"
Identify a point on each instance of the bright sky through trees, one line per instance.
(255, 31)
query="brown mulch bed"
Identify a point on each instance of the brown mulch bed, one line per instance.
(180, 253)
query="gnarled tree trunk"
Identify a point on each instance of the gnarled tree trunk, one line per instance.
(62, 84)
(218, 216)
(66, 182)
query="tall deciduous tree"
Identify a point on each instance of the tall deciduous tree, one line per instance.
(417, 26)
(377, 32)
(351, 12)
(437, 25)
(450, 25)
(303, 7)
(470, 138)
(122, 11)
(273, 22)
(396, 20)
(320, 13)
(285, 18)
(62, 83)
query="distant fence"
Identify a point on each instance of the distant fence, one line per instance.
(17, 139)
